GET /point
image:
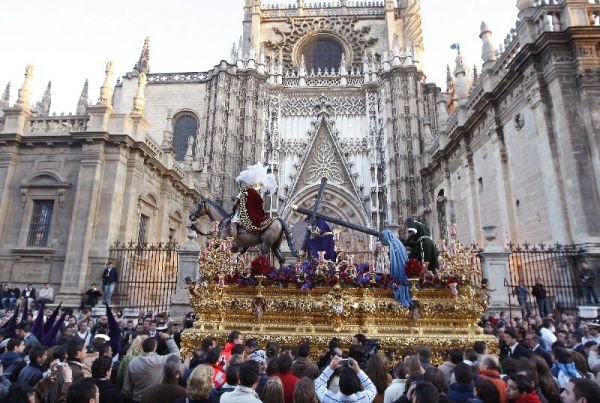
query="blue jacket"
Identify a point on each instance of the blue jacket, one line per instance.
(30, 375)
(460, 392)
(9, 358)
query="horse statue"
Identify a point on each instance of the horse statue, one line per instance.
(268, 239)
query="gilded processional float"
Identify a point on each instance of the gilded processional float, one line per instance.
(401, 302)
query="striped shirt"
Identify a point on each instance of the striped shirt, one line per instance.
(326, 396)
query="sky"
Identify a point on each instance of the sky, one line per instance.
(69, 41)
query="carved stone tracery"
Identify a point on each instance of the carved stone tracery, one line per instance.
(340, 105)
(355, 40)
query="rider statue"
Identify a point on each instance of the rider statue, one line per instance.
(248, 208)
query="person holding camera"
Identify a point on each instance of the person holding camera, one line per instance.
(351, 379)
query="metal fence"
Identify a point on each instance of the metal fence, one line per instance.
(556, 266)
(147, 275)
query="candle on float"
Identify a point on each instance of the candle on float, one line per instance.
(221, 279)
(321, 255)
(371, 266)
(351, 260)
(215, 226)
(336, 235)
(453, 231)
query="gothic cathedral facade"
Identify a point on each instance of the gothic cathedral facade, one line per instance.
(333, 89)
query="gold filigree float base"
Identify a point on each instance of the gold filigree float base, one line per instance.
(289, 316)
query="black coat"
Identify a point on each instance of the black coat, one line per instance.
(544, 354)
(520, 351)
(109, 392)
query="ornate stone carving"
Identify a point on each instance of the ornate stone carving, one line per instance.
(323, 163)
(305, 106)
(344, 28)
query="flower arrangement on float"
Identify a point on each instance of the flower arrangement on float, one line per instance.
(218, 264)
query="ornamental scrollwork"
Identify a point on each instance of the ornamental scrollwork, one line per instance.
(305, 106)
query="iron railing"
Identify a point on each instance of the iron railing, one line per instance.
(557, 266)
(147, 275)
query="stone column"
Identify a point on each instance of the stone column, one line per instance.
(8, 164)
(496, 270)
(89, 184)
(188, 256)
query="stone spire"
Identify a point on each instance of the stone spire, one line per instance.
(42, 108)
(449, 79)
(233, 55)
(82, 104)
(139, 101)
(5, 99)
(106, 91)
(524, 4)
(143, 64)
(488, 50)
(461, 74)
(25, 90)
(167, 142)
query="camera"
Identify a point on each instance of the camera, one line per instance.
(371, 347)
(344, 362)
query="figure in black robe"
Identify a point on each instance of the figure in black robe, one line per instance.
(422, 246)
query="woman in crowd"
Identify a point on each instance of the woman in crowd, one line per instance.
(200, 385)
(377, 373)
(304, 392)
(273, 391)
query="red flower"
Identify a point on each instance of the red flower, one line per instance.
(413, 268)
(260, 266)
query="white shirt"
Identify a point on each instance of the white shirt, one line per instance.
(548, 337)
(326, 396)
(394, 391)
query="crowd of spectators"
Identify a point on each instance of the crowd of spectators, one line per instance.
(66, 355)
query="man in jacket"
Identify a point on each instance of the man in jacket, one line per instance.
(489, 369)
(33, 372)
(540, 294)
(515, 349)
(146, 370)
(588, 280)
(533, 342)
(248, 377)
(109, 282)
(28, 295)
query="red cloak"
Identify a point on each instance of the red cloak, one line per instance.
(254, 206)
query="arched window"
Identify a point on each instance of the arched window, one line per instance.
(185, 126)
(322, 53)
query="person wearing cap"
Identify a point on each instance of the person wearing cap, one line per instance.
(594, 328)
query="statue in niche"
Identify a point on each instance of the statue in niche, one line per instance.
(440, 207)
